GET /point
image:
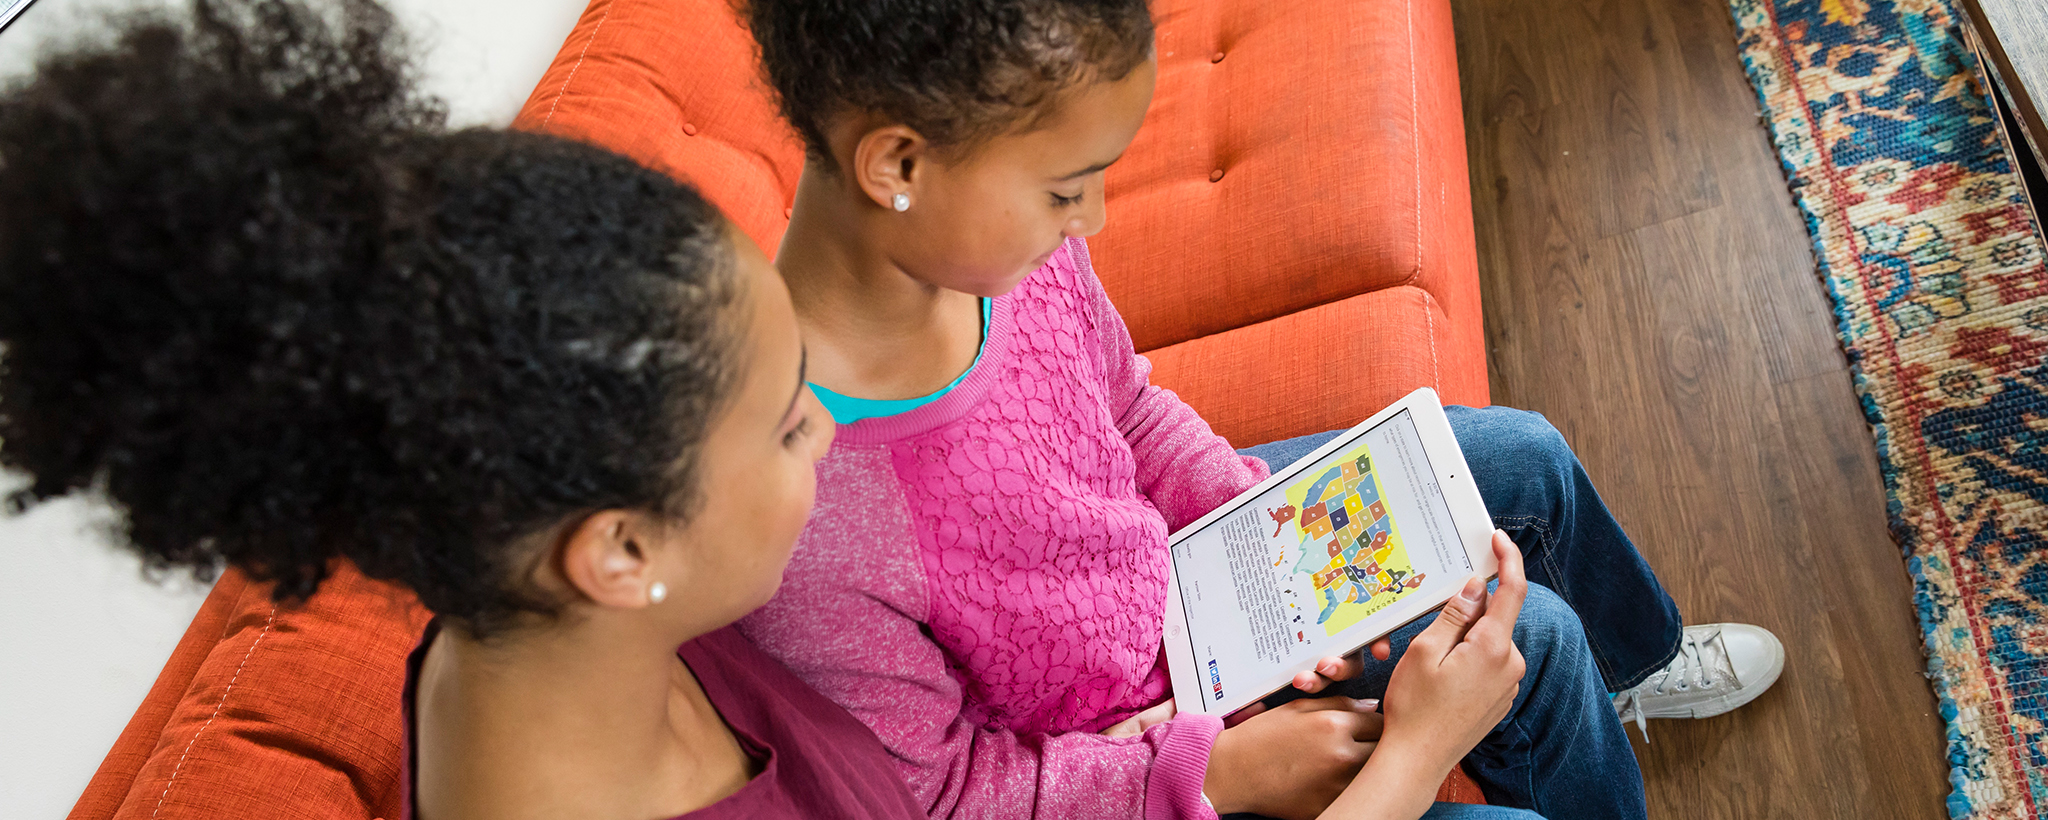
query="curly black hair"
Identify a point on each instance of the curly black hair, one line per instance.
(253, 292)
(957, 71)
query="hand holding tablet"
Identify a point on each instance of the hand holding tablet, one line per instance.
(1374, 529)
(1281, 585)
(1337, 669)
(1454, 684)
(1460, 676)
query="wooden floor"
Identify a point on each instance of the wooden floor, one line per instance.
(1649, 286)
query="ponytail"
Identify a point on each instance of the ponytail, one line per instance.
(252, 291)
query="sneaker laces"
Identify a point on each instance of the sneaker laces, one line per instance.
(1630, 708)
(1699, 664)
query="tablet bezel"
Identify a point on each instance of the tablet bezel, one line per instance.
(1468, 514)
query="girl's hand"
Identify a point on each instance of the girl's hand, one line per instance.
(1138, 723)
(1460, 676)
(1454, 684)
(1333, 669)
(1291, 761)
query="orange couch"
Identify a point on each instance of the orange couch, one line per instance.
(1290, 240)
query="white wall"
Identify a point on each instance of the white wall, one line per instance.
(82, 633)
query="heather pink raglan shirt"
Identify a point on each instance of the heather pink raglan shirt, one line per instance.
(983, 580)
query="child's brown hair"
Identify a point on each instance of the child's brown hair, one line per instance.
(957, 71)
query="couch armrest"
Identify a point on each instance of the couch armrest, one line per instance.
(116, 774)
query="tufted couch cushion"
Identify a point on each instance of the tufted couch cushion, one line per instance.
(1254, 192)
(1290, 236)
(1328, 269)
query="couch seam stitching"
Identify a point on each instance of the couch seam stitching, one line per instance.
(267, 622)
(578, 67)
(1415, 128)
(1436, 374)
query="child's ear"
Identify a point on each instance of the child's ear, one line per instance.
(606, 559)
(887, 161)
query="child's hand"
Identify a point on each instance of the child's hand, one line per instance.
(1292, 760)
(1460, 676)
(1138, 723)
(1453, 685)
(1332, 669)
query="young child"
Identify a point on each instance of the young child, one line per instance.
(983, 579)
(252, 292)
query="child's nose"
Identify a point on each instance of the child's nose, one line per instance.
(1093, 213)
(1088, 222)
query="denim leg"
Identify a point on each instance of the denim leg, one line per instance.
(1278, 454)
(1560, 751)
(1445, 811)
(1463, 811)
(1536, 490)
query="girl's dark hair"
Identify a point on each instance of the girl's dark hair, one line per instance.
(252, 292)
(958, 71)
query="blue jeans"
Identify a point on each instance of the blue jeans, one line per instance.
(1596, 621)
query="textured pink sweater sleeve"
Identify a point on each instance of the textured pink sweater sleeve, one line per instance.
(849, 621)
(1184, 468)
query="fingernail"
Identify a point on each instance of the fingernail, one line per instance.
(1468, 595)
(1369, 704)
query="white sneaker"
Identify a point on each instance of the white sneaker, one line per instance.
(1719, 667)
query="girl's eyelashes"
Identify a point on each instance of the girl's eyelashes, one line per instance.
(803, 428)
(1067, 201)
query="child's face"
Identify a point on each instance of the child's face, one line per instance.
(758, 462)
(983, 222)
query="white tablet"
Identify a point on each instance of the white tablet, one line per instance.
(1378, 527)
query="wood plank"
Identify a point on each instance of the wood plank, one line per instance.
(2013, 34)
(1653, 292)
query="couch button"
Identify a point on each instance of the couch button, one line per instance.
(1216, 58)
(1216, 175)
(689, 129)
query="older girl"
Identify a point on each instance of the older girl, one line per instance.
(254, 293)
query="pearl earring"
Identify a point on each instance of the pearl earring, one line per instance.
(657, 592)
(901, 203)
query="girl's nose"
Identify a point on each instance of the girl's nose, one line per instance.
(1091, 216)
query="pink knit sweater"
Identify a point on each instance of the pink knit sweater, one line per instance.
(983, 580)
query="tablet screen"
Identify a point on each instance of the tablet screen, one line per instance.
(1283, 578)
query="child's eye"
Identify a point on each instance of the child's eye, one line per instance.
(802, 428)
(1066, 201)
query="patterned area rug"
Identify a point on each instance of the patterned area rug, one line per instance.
(1937, 274)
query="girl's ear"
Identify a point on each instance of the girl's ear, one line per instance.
(887, 162)
(606, 559)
